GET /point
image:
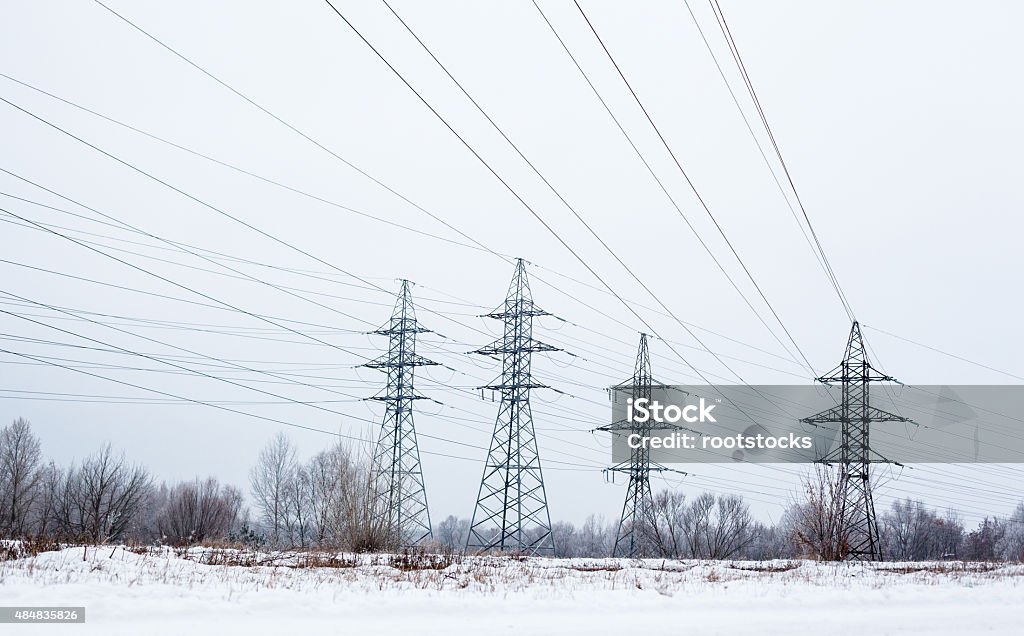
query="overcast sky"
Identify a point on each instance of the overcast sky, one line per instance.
(900, 122)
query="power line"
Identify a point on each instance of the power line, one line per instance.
(945, 353)
(734, 50)
(689, 181)
(349, 348)
(539, 218)
(294, 129)
(526, 160)
(222, 407)
(225, 164)
(185, 287)
(658, 180)
(332, 153)
(179, 191)
(237, 411)
(757, 141)
(240, 170)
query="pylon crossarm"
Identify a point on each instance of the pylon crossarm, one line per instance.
(524, 312)
(500, 347)
(878, 415)
(408, 360)
(836, 414)
(508, 387)
(392, 398)
(625, 426)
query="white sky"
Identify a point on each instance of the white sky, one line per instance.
(900, 123)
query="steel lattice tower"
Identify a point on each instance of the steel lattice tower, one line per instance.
(511, 510)
(632, 539)
(400, 499)
(854, 455)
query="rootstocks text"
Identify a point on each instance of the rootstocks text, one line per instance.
(653, 415)
(803, 423)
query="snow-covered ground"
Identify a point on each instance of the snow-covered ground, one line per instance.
(163, 592)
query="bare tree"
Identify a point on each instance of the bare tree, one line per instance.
(1010, 546)
(339, 508)
(298, 498)
(708, 527)
(328, 502)
(596, 538)
(906, 530)
(950, 530)
(669, 512)
(726, 529)
(199, 510)
(44, 514)
(696, 524)
(111, 494)
(453, 532)
(769, 542)
(20, 476)
(329, 474)
(982, 543)
(818, 524)
(912, 532)
(366, 528)
(272, 484)
(62, 497)
(565, 540)
(98, 501)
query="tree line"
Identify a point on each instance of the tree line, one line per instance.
(327, 502)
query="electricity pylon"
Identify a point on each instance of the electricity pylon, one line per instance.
(634, 535)
(858, 524)
(511, 510)
(399, 497)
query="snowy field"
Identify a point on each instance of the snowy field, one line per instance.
(207, 591)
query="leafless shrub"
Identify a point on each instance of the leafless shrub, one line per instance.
(197, 511)
(911, 532)
(365, 527)
(719, 526)
(818, 525)
(328, 502)
(709, 527)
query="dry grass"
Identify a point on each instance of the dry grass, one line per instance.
(416, 560)
(943, 567)
(318, 560)
(240, 570)
(769, 567)
(25, 548)
(597, 568)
